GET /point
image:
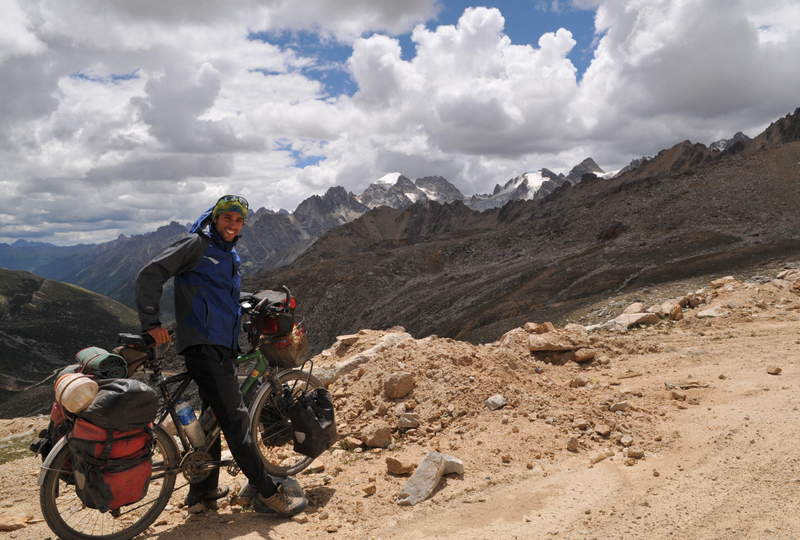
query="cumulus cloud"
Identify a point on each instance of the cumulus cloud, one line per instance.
(120, 116)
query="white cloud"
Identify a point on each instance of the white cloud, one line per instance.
(120, 116)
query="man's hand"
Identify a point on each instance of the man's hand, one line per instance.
(159, 334)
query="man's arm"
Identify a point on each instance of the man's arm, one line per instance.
(179, 257)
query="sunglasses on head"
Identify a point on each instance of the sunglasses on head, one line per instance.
(236, 198)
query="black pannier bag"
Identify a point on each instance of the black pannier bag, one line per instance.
(122, 405)
(313, 423)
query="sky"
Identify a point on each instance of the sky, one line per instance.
(117, 117)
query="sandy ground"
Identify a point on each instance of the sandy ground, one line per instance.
(722, 463)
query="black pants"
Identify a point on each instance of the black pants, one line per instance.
(213, 370)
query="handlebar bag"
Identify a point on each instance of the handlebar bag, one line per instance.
(313, 422)
(111, 468)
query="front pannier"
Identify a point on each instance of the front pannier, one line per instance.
(111, 468)
(313, 422)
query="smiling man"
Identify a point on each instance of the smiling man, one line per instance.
(207, 282)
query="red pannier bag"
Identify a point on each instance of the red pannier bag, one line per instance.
(111, 468)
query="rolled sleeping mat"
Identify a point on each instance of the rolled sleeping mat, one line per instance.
(101, 363)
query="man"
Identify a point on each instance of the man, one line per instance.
(207, 281)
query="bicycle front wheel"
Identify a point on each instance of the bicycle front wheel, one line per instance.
(271, 427)
(70, 519)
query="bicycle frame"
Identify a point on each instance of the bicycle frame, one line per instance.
(169, 399)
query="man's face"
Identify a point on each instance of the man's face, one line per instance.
(229, 224)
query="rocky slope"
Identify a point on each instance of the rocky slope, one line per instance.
(451, 271)
(43, 323)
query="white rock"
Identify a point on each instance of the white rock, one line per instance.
(427, 476)
(711, 313)
(636, 319)
(636, 307)
(495, 402)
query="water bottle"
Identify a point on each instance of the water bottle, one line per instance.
(191, 425)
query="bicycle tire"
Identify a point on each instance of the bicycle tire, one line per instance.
(69, 519)
(271, 428)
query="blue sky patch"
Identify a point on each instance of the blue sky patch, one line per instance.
(106, 79)
(301, 160)
(330, 66)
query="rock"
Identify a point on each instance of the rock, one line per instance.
(629, 320)
(582, 356)
(427, 476)
(620, 406)
(535, 328)
(300, 518)
(576, 328)
(559, 340)
(376, 435)
(636, 307)
(577, 382)
(495, 402)
(14, 521)
(369, 490)
(678, 396)
(676, 313)
(349, 443)
(407, 421)
(506, 458)
(695, 300)
(516, 337)
(635, 453)
(626, 440)
(398, 385)
(601, 456)
(347, 339)
(603, 430)
(717, 283)
(399, 466)
(711, 313)
(581, 423)
(774, 370)
(572, 444)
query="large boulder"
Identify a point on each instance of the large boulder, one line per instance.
(559, 340)
(629, 320)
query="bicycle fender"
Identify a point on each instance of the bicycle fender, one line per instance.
(48, 461)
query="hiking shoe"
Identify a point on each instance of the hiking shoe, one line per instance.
(280, 503)
(205, 496)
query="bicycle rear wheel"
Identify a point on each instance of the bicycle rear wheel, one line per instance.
(272, 429)
(70, 519)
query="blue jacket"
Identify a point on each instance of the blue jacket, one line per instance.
(207, 285)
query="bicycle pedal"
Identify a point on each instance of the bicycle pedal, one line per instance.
(233, 469)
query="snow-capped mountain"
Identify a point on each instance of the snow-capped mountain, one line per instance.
(522, 187)
(403, 192)
(730, 145)
(532, 185)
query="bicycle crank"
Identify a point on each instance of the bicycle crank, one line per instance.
(196, 466)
